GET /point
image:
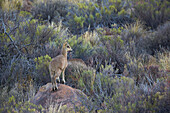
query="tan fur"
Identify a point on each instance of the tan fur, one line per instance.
(58, 65)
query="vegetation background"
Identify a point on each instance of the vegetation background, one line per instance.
(126, 42)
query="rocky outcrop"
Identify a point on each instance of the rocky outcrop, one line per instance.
(65, 95)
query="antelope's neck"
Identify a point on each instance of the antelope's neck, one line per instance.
(64, 52)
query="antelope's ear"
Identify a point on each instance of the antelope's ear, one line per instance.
(65, 43)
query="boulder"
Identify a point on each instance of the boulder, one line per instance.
(65, 95)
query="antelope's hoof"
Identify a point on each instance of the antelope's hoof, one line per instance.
(55, 88)
(63, 81)
(58, 80)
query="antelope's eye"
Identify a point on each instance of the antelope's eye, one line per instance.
(68, 46)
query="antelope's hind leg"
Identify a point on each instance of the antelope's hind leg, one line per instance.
(52, 74)
(57, 76)
(53, 83)
(55, 87)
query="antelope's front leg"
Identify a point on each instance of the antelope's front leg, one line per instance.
(63, 78)
(58, 79)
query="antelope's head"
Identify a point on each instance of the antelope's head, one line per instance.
(67, 47)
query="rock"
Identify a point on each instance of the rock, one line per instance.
(65, 95)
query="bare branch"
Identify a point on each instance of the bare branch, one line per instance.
(10, 36)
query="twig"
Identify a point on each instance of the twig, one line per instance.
(10, 37)
(13, 29)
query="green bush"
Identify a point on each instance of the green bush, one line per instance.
(12, 106)
(10, 5)
(86, 46)
(139, 41)
(42, 67)
(115, 48)
(153, 12)
(51, 10)
(164, 60)
(79, 75)
(134, 37)
(1, 2)
(91, 14)
(122, 95)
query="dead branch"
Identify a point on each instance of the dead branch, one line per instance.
(5, 32)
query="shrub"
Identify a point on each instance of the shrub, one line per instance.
(17, 69)
(160, 39)
(13, 106)
(139, 41)
(134, 36)
(87, 46)
(42, 67)
(80, 76)
(92, 14)
(17, 97)
(51, 10)
(11, 4)
(145, 71)
(1, 2)
(164, 60)
(122, 95)
(115, 48)
(153, 13)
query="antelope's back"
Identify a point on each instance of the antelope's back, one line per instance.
(58, 62)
